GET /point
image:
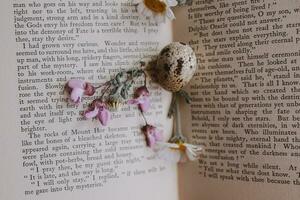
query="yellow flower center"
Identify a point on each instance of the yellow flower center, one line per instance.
(182, 147)
(156, 5)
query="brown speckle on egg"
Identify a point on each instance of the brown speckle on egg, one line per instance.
(176, 65)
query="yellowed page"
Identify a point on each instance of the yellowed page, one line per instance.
(48, 151)
(245, 108)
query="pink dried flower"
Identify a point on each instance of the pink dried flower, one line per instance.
(152, 135)
(98, 109)
(141, 98)
(78, 88)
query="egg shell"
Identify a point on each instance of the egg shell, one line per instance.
(176, 65)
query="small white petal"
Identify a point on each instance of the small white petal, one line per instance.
(170, 14)
(196, 147)
(192, 151)
(172, 3)
(190, 154)
(166, 144)
(168, 154)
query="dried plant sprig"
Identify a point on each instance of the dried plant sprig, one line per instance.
(113, 93)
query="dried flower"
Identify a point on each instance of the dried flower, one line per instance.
(98, 109)
(156, 9)
(78, 88)
(152, 135)
(141, 99)
(177, 152)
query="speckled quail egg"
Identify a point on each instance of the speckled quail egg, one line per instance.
(176, 65)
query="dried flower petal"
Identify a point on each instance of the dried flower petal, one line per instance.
(141, 91)
(103, 116)
(98, 109)
(89, 89)
(91, 112)
(76, 95)
(180, 152)
(77, 88)
(141, 99)
(158, 10)
(152, 134)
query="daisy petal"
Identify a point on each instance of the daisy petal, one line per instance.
(170, 14)
(190, 154)
(169, 155)
(172, 3)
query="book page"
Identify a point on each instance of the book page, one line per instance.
(245, 109)
(48, 150)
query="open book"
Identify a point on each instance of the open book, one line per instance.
(245, 108)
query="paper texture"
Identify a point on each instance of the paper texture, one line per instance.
(245, 108)
(244, 111)
(48, 151)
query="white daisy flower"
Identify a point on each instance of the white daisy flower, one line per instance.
(158, 10)
(177, 152)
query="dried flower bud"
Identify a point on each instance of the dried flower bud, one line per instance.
(152, 135)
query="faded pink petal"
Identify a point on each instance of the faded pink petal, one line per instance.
(103, 116)
(76, 95)
(74, 83)
(152, 135)
(89, 89)
(144, 105)
(158, 135)
(133, 101)
(141, 91)
(91, 113)
(151, 141)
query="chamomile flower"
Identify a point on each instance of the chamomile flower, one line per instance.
(177, 152)
(158, 10)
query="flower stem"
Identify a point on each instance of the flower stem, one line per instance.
(100, 86)
(145, 78)
(104, 91)
(145, 120)
(177, 134)
(177, 116)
